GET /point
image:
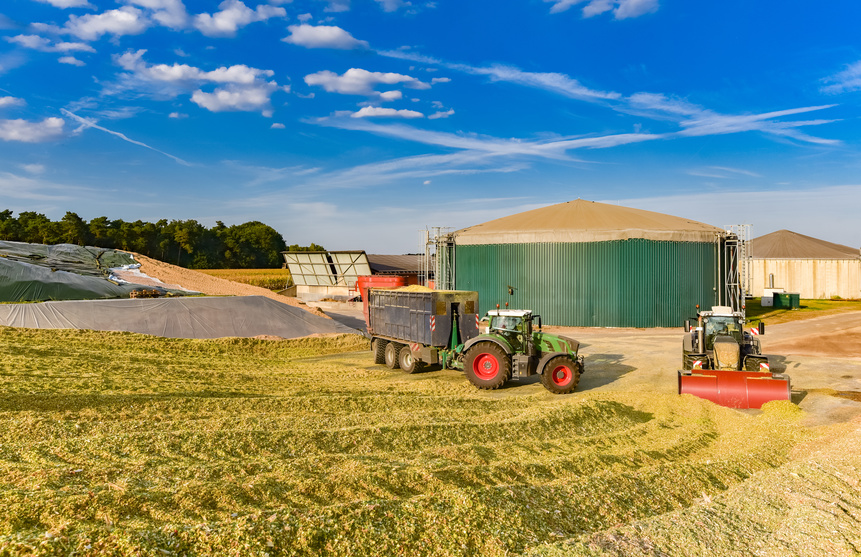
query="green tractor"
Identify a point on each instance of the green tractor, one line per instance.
(510, 347)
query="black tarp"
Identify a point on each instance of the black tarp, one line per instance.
(37, 272)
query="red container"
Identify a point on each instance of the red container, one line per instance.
(377, 281)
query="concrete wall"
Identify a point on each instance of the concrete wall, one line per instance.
(812, 278)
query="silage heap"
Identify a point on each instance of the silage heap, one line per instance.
(116, 443)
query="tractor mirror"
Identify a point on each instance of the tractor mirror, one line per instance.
(761, 328)
(687, 325)
(539, 321)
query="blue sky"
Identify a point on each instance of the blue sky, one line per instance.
(357, 123)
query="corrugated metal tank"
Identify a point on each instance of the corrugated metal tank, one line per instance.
(623, 283)
(592, 265)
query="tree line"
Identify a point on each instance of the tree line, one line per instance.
(187, 243)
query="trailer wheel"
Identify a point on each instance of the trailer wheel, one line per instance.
(379, 347)
(561, 375)
(391, 354)
(487, 366)
(408, 363)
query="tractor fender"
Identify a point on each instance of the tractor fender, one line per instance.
(495, 340)
(542, 363)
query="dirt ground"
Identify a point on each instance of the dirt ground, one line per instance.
(178, 277)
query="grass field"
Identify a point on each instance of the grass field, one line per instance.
(121, 444)
(807, 310)
(273, 279)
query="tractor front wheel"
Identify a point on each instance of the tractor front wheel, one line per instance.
(561, 375)
(391, 353)
(487, 366)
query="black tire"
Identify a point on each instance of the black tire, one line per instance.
(391, 354)
(487, 366)
(408, 363)
(378, 345)
(561, 375)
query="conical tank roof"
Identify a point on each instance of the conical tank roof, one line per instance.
(586, 221)
(785, 244)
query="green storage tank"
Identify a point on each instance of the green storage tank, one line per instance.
(591, 264)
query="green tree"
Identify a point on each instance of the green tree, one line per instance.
(9, 228)
(74, 229)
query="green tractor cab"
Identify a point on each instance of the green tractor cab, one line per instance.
(510, 347)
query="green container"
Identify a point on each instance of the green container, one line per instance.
(787, 300)
(624, 283)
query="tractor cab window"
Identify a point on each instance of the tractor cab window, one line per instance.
(722, 326)
(507, 323)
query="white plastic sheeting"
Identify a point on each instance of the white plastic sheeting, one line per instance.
(241, 316)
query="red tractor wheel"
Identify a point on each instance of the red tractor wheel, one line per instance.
(487, 366)
(561, 375)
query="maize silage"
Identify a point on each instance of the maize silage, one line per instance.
(120, 444)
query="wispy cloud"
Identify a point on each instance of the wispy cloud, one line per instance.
(844, 82)
(87, 123)
(357, 81)
(721, 172)
(622, 9)
(697, 121)
(549, 81)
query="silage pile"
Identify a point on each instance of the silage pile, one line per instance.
(246, 447)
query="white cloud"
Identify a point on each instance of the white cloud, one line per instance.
(375, 111)
(304, 17)
(392, 5)
(67, 3)
(233, 15)
(169, 13)
(177, 115)
(71, 60)
(391, 96)
(357, 81)
(622, 9)
(441, 114)
(440, 80)
(635, 8)
(11, 101)
(237, 98)
(33, 168)
(127, 20)
(337, 6)
(31, 132)
(244, 87)
(322, 36)
(42, 44)
(846, 81)
(278, 126)
(426, 183)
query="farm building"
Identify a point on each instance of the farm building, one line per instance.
(814, 268)
(335, 274)
(591, 264)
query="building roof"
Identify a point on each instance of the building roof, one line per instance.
(785, 244)
(586, 221)
(395, 264)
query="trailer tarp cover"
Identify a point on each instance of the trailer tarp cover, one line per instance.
(241, 316)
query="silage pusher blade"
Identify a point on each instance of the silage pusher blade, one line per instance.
(735, 389)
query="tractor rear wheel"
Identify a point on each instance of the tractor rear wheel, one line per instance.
(487, 366)
(379, 347)
(408, 363)
(561, 375)
(391, 354)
